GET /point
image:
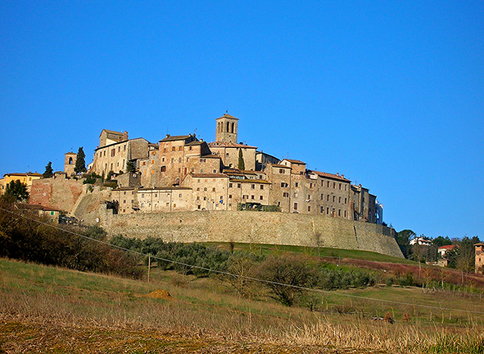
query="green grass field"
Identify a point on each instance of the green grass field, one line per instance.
(62, 311)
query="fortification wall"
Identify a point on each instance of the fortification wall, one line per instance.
(255, 227)
(57, 193)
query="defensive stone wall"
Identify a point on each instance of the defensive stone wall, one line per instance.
(255, 227)
(57, 193)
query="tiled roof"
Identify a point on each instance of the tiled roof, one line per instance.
(447, 247)
(23, 174)
(209, 175)
(233, 145)
(331, 175)
(257, 181)
(226, 115)
(176, 137)
(295, 161)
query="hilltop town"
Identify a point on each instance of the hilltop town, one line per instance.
(183, 173)
(187, 190)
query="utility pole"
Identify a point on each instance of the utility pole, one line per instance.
(149, 266)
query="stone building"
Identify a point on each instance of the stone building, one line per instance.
(70, 159)
(184, 173)
(479, 249)
(114, 152)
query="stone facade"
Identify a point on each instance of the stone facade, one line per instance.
(479, 249)
(258, 228)
(70, 159)
(57, 193)
(183, 161)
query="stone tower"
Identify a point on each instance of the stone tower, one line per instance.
(70, 163)
(226, 129)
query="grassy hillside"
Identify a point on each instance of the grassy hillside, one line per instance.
(63, 311)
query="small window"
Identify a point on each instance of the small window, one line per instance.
(230, 185)
(309, 208)
(172, 148)
(252, 197)
(261, 186)
(295, 206)
(253, 186)
(261, 197)
(297, 184)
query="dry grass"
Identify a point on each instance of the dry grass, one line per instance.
(43, 309)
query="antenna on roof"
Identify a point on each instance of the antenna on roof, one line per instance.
(226, 111)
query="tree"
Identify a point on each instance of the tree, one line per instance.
(241, 164)
(403, 241)
(49, 172)
(80, 162)
(17, 191)
(130, 166)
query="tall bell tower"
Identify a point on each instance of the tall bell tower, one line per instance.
(226, 129)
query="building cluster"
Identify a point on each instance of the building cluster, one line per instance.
(184, 173)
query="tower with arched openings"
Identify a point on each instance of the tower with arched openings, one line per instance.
(226, 129)
(69, 163)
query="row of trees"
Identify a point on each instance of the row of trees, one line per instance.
(287, 277)
(461, 257)
(26, 236)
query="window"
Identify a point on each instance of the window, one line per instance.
(310, 185)
(180, 148)
(179, 195)
(261, 197)
(339, 200)
(163, 159)
(334, 185)
(339, 212)
(322, 196)
(334, 198)
(285, 195)
(124, 147)
(179, 159)
(252, 197)
(113, 152)
(163, 168)
(309, 196)
(340, 186)
(213, 189)
(239, 185)
(261, 186)
(152, 162)
(172, 148)
(198, 189)
(252, 186)
(327, 211)
(205, 189)
(164, 149)
(230, 185)
(297, 184)
(295, 206)
(284, 185)
(327, 198)
(345, 213)
(230, 196)
(322, 210)
(282, 171)
(345, 200)
(309, 208)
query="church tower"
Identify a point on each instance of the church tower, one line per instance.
(226, 129)
(70, 163)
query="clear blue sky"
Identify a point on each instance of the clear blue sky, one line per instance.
(391, 94)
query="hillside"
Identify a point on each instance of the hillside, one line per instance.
(65, 311)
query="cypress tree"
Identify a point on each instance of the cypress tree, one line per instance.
(80, 162)
(49, 172)
(241, 164)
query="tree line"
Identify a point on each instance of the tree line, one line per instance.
(461, 257)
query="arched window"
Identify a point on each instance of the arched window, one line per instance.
(228, 127)
(70, 161)
(233, 125)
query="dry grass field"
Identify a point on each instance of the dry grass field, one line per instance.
(51, 310)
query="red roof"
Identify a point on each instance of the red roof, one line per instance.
(447, 247)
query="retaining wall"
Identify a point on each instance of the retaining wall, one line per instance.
(255, 227)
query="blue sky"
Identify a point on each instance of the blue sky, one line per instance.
(391, 94)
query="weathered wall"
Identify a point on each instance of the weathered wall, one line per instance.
(56, 193)
(256, 227)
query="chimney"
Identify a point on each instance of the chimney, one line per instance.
(125, 135)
